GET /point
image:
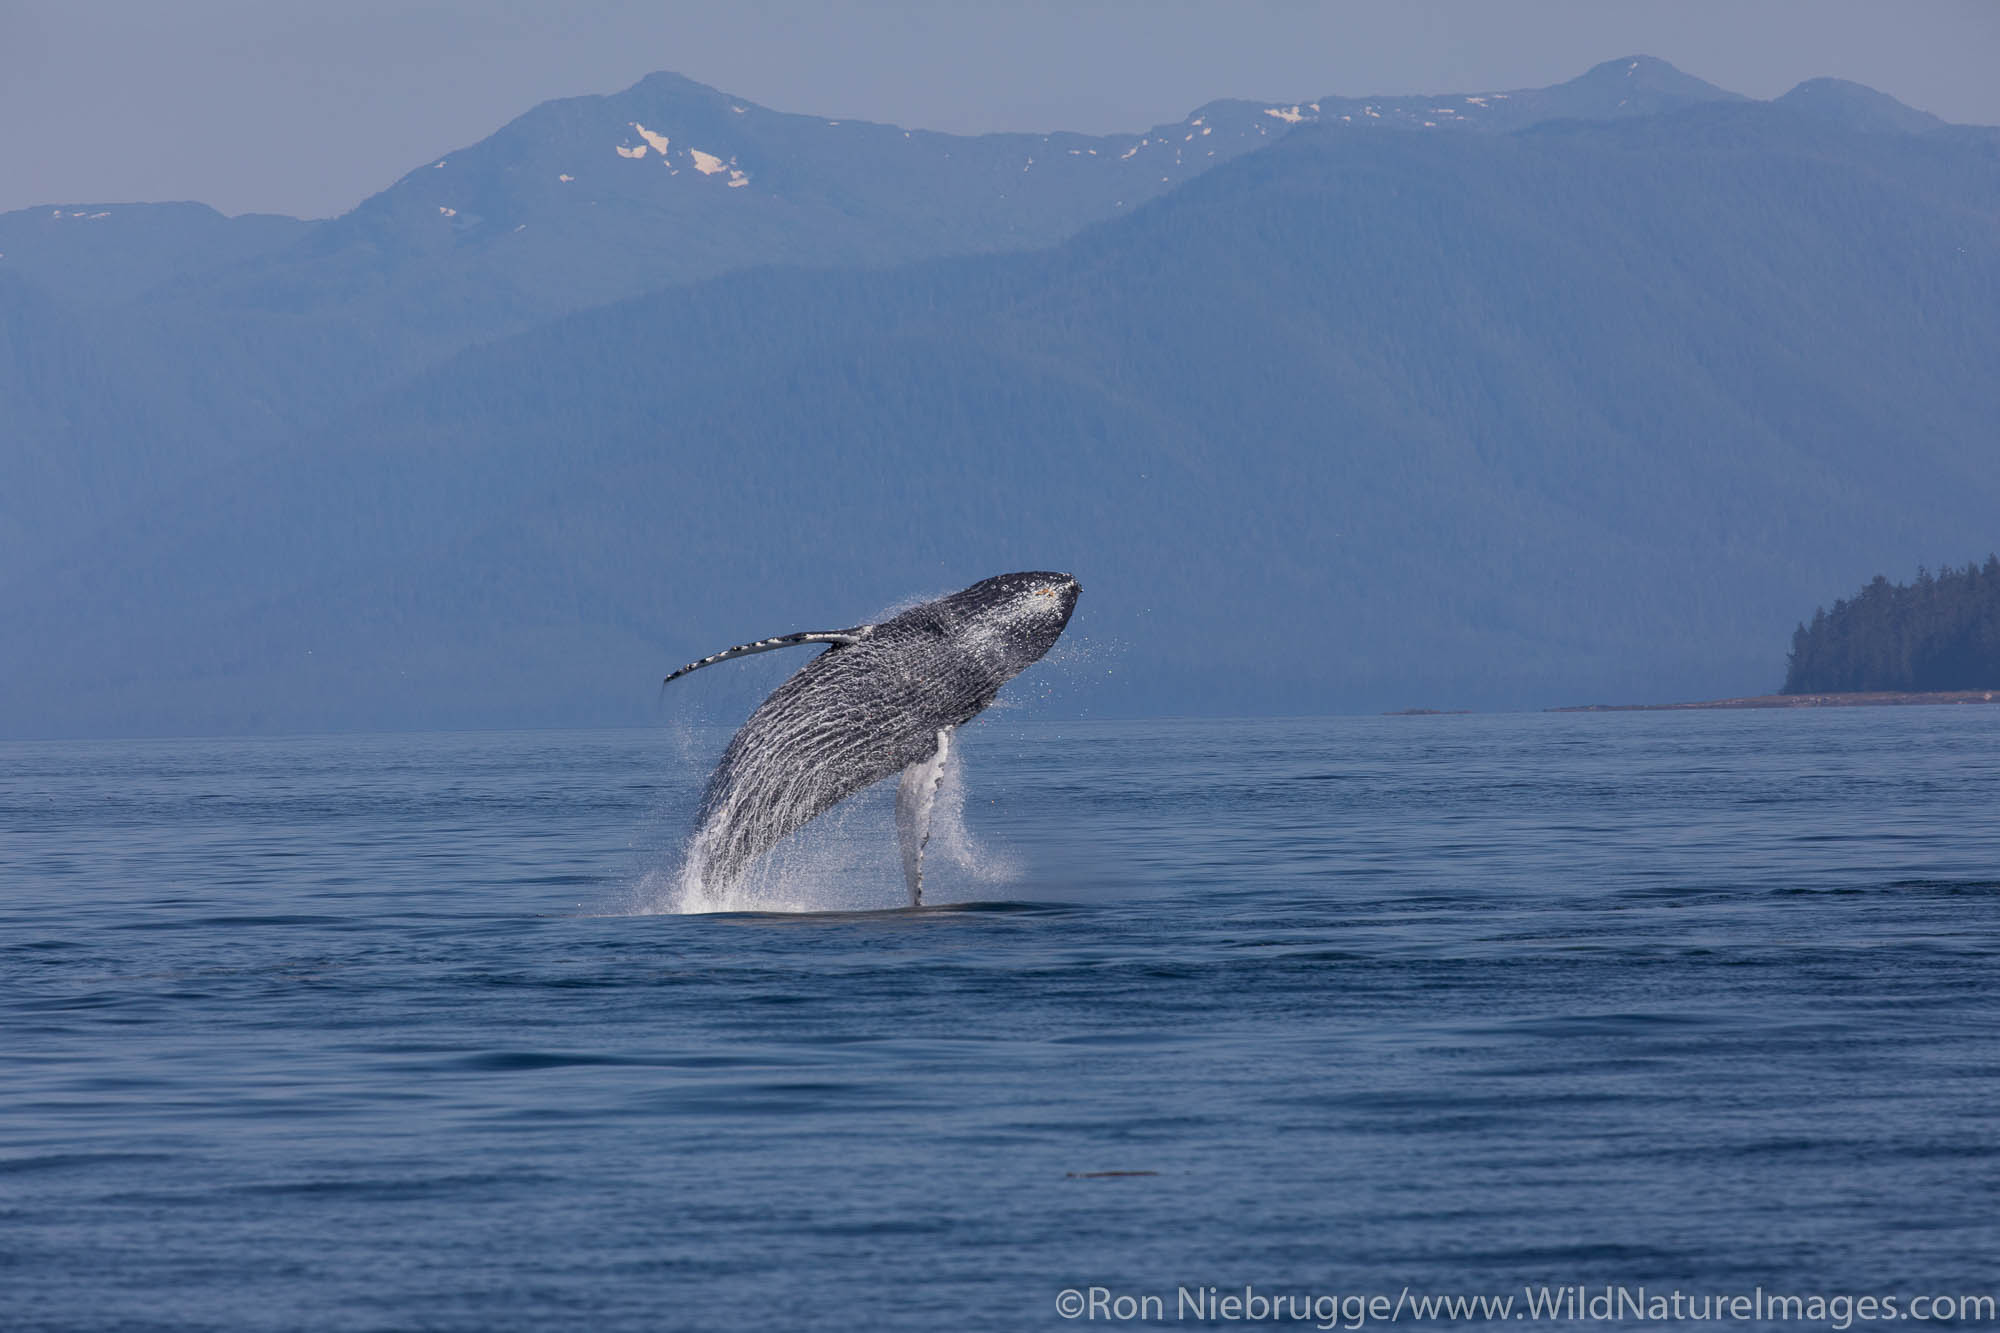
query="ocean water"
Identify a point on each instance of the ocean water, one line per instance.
(390, 1033)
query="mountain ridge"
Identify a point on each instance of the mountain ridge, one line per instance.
(433, 215)
(296, 496)
(243, 333)
(1489, 420)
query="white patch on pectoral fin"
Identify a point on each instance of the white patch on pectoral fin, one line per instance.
(839, 638)
(916, 802)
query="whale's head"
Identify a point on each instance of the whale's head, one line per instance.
(1014, 618)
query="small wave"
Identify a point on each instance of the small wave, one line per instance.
(63, 1161)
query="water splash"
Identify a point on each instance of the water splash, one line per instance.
(952, 842)
(1069, 677)
(844, 861)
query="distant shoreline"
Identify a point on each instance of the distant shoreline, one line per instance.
(1872, 699)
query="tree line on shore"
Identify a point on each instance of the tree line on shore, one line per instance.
(1940, 632)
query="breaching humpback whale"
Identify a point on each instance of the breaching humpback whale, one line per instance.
(881, 699)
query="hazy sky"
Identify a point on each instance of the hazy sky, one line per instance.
(307, 106)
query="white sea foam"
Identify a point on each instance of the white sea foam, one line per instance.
(844, 861)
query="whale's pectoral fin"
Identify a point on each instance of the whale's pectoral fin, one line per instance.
(916, 800)
(839, 638)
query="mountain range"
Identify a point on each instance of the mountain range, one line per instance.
(1496, 400)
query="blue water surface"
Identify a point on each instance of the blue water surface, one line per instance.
(375, 1032)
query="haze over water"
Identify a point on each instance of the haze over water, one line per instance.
(362, 1032)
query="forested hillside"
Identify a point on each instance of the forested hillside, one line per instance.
(1364, 419)
(1941, 632)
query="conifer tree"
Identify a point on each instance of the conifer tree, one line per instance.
(1939, 632)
